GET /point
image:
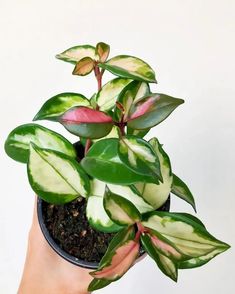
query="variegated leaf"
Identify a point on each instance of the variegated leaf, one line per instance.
(87, 122)
(55, 177)
(18, 142)
(152, 110)
(123, 236)
(84, 66)
(132, 93)
(102, 50)
(165, 264)
(137, 133)
(157, 194)
(95, 212)
(180, 189)
(122, 260)
(108, 94)
(98, 188)
(119, 209)
(201, 260)
(188, 237)
(102, 162)
(59, 104)
(130, 67)
(74, 54)
(138, 155)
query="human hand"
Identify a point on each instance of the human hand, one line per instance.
(45, 272)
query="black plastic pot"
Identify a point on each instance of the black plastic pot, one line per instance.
(65, 255)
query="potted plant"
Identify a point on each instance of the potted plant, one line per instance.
(104, 201)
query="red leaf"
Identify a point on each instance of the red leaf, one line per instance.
(143, 107)
(82, 114)
(121, 262)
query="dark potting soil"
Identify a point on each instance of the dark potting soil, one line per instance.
(69, 227)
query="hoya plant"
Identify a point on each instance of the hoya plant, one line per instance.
(123, 177)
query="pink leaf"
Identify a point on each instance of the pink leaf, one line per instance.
(82, 114)
(121, 262)
(144, 107)
(168, 249)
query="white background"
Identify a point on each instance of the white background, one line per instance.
(191, 46)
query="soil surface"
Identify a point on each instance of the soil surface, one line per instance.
(69, 227)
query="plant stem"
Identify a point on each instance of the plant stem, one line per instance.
(88, 145)
(98, 75)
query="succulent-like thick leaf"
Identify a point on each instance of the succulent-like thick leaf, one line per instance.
(18, 142)
(122, 260)
(102, 162)
(137, 133)
(138, 155)
(152, 110)
(201, 260)
(156, 195)
(97, 216)
(59, 104)
(165, 264)
(74, 54)
(108, 94)
(127, 233)
(87, 122)
(132, 93)
(95, 212)
(55, 177)
(97, 284)
(100, 218)
(102, 50)
(130, 67)
(84, 66)
(180, 189)
(188, 236)
(119, 209)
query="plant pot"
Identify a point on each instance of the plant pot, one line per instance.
(56, 245)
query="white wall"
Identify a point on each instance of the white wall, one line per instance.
(191, 46)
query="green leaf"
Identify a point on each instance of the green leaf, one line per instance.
(119, 209)
(130, 67)
(59, 104)
(137, 133)
(132, 93)
(74, 54)
(188, 236)
(152, 110)
(95, 212)
(180, 189)
(108, 94)
(102, 50)
(97, 284)
(55, 177)
(86, 122)
(138, 155)
(165, 264)
(84, 66)
(102, 162)
(156, 195)
(18, 141)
